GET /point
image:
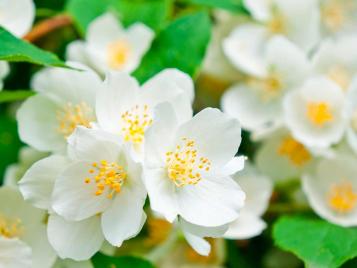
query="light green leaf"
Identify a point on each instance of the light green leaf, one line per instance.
(14, 49)
(17, 95)
(231, 5)
(318, 243)
(182, 44)
(102, 261)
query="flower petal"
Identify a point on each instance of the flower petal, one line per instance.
(14, 254)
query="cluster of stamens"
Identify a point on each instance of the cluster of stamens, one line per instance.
(184, 166)
(118, 53)
(277, 24)
(106, 176)
(269, 88)
(294, 151)
(340, 75)
(342, 197)
(334, 14)
(135, 121)
(319, 113)
(10, 228)
(71, 116)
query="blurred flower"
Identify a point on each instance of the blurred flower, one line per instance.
(335, 59)
(258, 189)
(315, 113)
(68, 263)
(332, 189)
(23, 240)
(126, 109)
(15, 172)
(187, 172)
(351, 132)
(257, 102)
(109, 46)
(17, 16)
(4, 70)
(65, 100)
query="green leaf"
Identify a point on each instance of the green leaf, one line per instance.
(317, 242)
(153, 13)
(84, 11)
(17, 95)
(14, 49)
(102, 261)
(231, 5)
(182, 44)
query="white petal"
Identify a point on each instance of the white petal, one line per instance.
(37, 184)
(74, 199)
(76, 240)
(233, 166)
(4, 70)
(200, 245)
(68, 263)
(14, 254)
(260, 9)
(76, 52)
(203, 231)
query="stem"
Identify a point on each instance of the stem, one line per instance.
(47, 26)
(159, 252)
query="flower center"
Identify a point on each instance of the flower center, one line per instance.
(340, 75)
(269, 87)
(106, 176)
(294, 151)
(118, 53)
(319, 113)
(10, 228)
(277, 24)
(342, 198)
(184, 166)
(135, 121)
(71, 116)
(334, 15)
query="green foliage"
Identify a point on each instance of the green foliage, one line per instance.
(7, 96)
(231, 5)
(14, 49)
(317, 242)
(102, 261)
(182, 44)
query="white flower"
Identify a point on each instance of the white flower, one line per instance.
(14, 172)
(4, 70)
(23, 240)
(282, 157)
(126, 109)
(351, 99)
(296, 20)
(257, 103)
(332, 189)
(315, 113)
(96, 194)
(338, 16)
(187, 172)
(258, 189)
(65, 99)
(17, 16)
(109, 46)
(335, 59)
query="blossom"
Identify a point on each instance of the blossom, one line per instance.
(126, 109)
(315, 113)
(4, 70)
(331, 189)
(65, 99)
(95, 192)
(257, 102)
(335, 59)
(110, 47)
(187, 172)
(351, 132)
(17, 16)
(258, 189)
(23, 240)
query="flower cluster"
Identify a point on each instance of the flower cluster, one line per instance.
(298, 97)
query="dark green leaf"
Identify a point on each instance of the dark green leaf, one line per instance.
(317, 242)
(6, 96)
(182, 45)
(232, 5)
(14, 49)
(102, 261)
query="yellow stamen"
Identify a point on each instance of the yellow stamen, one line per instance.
(158, 231)
(184, 167)
(319, 113)
(10, 228)
(333, 14)
(71, 116)
(109, 176)
(294, 151)
(277, 24)
(136, 121)
(118, 54)
(269, 88)
(342, 198)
